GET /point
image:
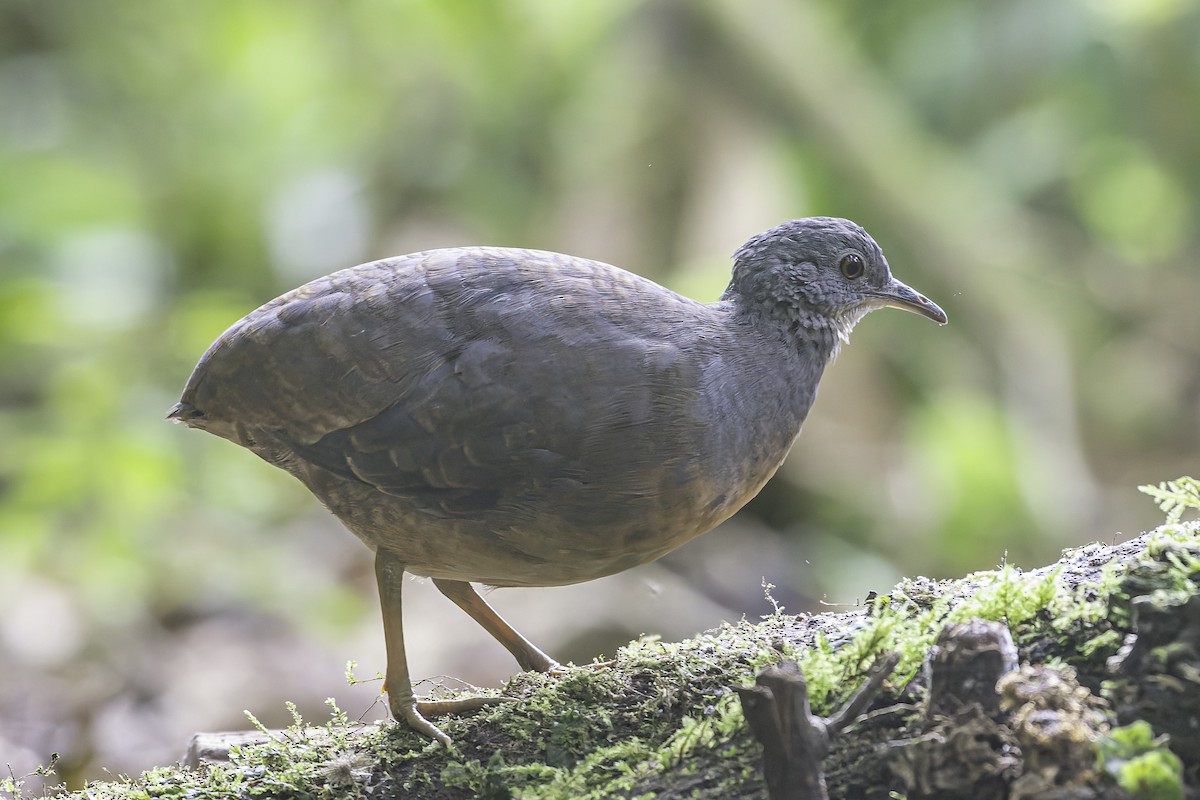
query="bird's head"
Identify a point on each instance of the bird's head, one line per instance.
(820, 273)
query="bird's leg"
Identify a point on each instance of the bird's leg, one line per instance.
(466, 598)
(389, 574)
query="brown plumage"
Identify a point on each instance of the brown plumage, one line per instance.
(524, 418)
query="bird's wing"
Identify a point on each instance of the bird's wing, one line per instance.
(459, 379)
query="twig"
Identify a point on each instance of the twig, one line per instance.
(794, 741)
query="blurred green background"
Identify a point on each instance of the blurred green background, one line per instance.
(166, 167)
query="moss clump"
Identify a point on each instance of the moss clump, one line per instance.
(1175, 497)
(1141, 764)
(662, 720)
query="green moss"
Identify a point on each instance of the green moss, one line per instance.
(662, 719)
(1175, 497)
(13, 786)
(1103, 645)
(1007, 595)
(1141, 763)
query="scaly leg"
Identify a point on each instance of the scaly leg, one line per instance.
(389, 574)
(466, 598)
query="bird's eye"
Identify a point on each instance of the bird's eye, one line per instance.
(852, 265)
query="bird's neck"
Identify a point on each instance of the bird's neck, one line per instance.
(783, 357)
(773, 364)
(818, 333)
(816, 336)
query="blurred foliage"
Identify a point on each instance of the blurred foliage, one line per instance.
(168, 166)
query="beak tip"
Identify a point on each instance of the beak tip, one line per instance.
(927, 308)
(906, 299)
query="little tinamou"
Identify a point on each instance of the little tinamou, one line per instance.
(524, 418)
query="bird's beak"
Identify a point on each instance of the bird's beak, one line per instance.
(897, 295)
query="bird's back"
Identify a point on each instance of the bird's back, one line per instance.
(508, 416)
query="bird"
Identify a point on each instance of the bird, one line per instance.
(513, 417)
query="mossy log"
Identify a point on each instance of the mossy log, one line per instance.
(1077, 680)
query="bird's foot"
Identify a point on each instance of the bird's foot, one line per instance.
(536, 661)
(415, 713)
(411, 714)
(459, 705)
